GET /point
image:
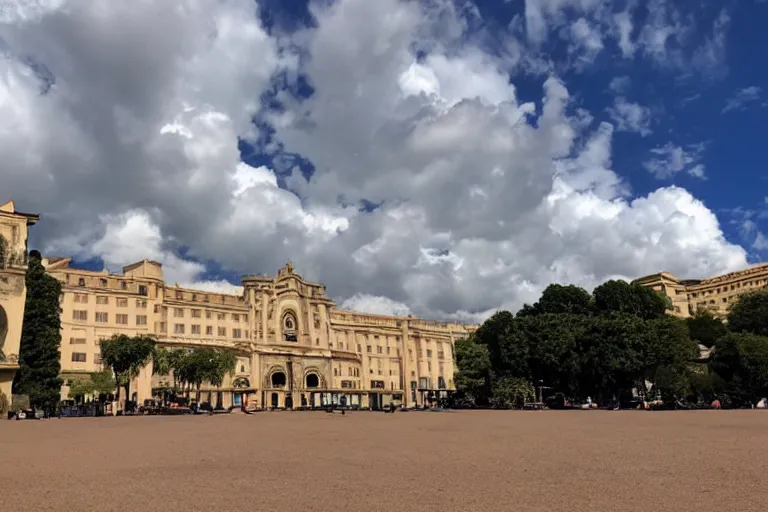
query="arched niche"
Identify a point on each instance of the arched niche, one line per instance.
(290, 325)
(241, 382)
(312, 380)
(278, 379)
(3, 326)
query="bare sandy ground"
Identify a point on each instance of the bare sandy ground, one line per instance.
(455, 461)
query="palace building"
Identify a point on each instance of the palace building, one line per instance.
(294, 348)
(13, 291)
(716, 294)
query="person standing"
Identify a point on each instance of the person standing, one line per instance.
(343, 404)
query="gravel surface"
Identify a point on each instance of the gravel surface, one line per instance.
(417, 461)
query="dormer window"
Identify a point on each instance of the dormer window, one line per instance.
(81, 281)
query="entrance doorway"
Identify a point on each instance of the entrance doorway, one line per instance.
(275, 400)
(289, 402)
(237, 399)
(375, 403)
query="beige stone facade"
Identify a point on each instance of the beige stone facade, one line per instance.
(13, 291)
(716, 294)
(294, 347)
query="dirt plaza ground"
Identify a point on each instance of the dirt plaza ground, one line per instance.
(410, 461)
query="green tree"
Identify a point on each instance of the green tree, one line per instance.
(668, 345)
(551, 346)
(633, 299)
(473, 371)
(222, 363)
(199, 365)
(80, 386)
(750, 314)
(741, 360)
(39, 365)
(126, 356)
(508, 352)
(705, 328)
(103, 383)
(511, 392)
(559, 299)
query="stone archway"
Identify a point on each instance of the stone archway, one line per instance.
(278, 379)
(3, 327)
(312, 380)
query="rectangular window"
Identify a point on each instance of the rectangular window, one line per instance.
(81, 281)
(368, 349)
(245, 318)
(235, 317)
(209, 330)
(77, 341)
(246, 334)
(123, 285)
(178, 328)
(121, 319)
(195, 329)
(195, 313)
(142, 290)
(141, 303)
(378, 350)
(80, 315)
(222, 316)
(103, 282)
(102, 300)
(208, 314)
(178, 313)
(377, 384)
(222, 331)
(122, 303)
(102, 317)
(141, 319)
(429, 353)
(78, 357)
(81, 298)
(237, 333)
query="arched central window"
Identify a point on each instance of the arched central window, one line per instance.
(289, 322)
(313, 381)
(278, 380)
(290, 326)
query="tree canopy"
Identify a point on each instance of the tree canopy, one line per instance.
(39, 365)
(706, 328)
(193, 367)
(126, 356)
(607, 345)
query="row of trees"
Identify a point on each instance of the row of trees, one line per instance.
(124, 356)
(191, 368)
(606, 344)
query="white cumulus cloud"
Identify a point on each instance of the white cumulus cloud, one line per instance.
(120, 123)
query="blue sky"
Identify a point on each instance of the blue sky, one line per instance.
(438, 157)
